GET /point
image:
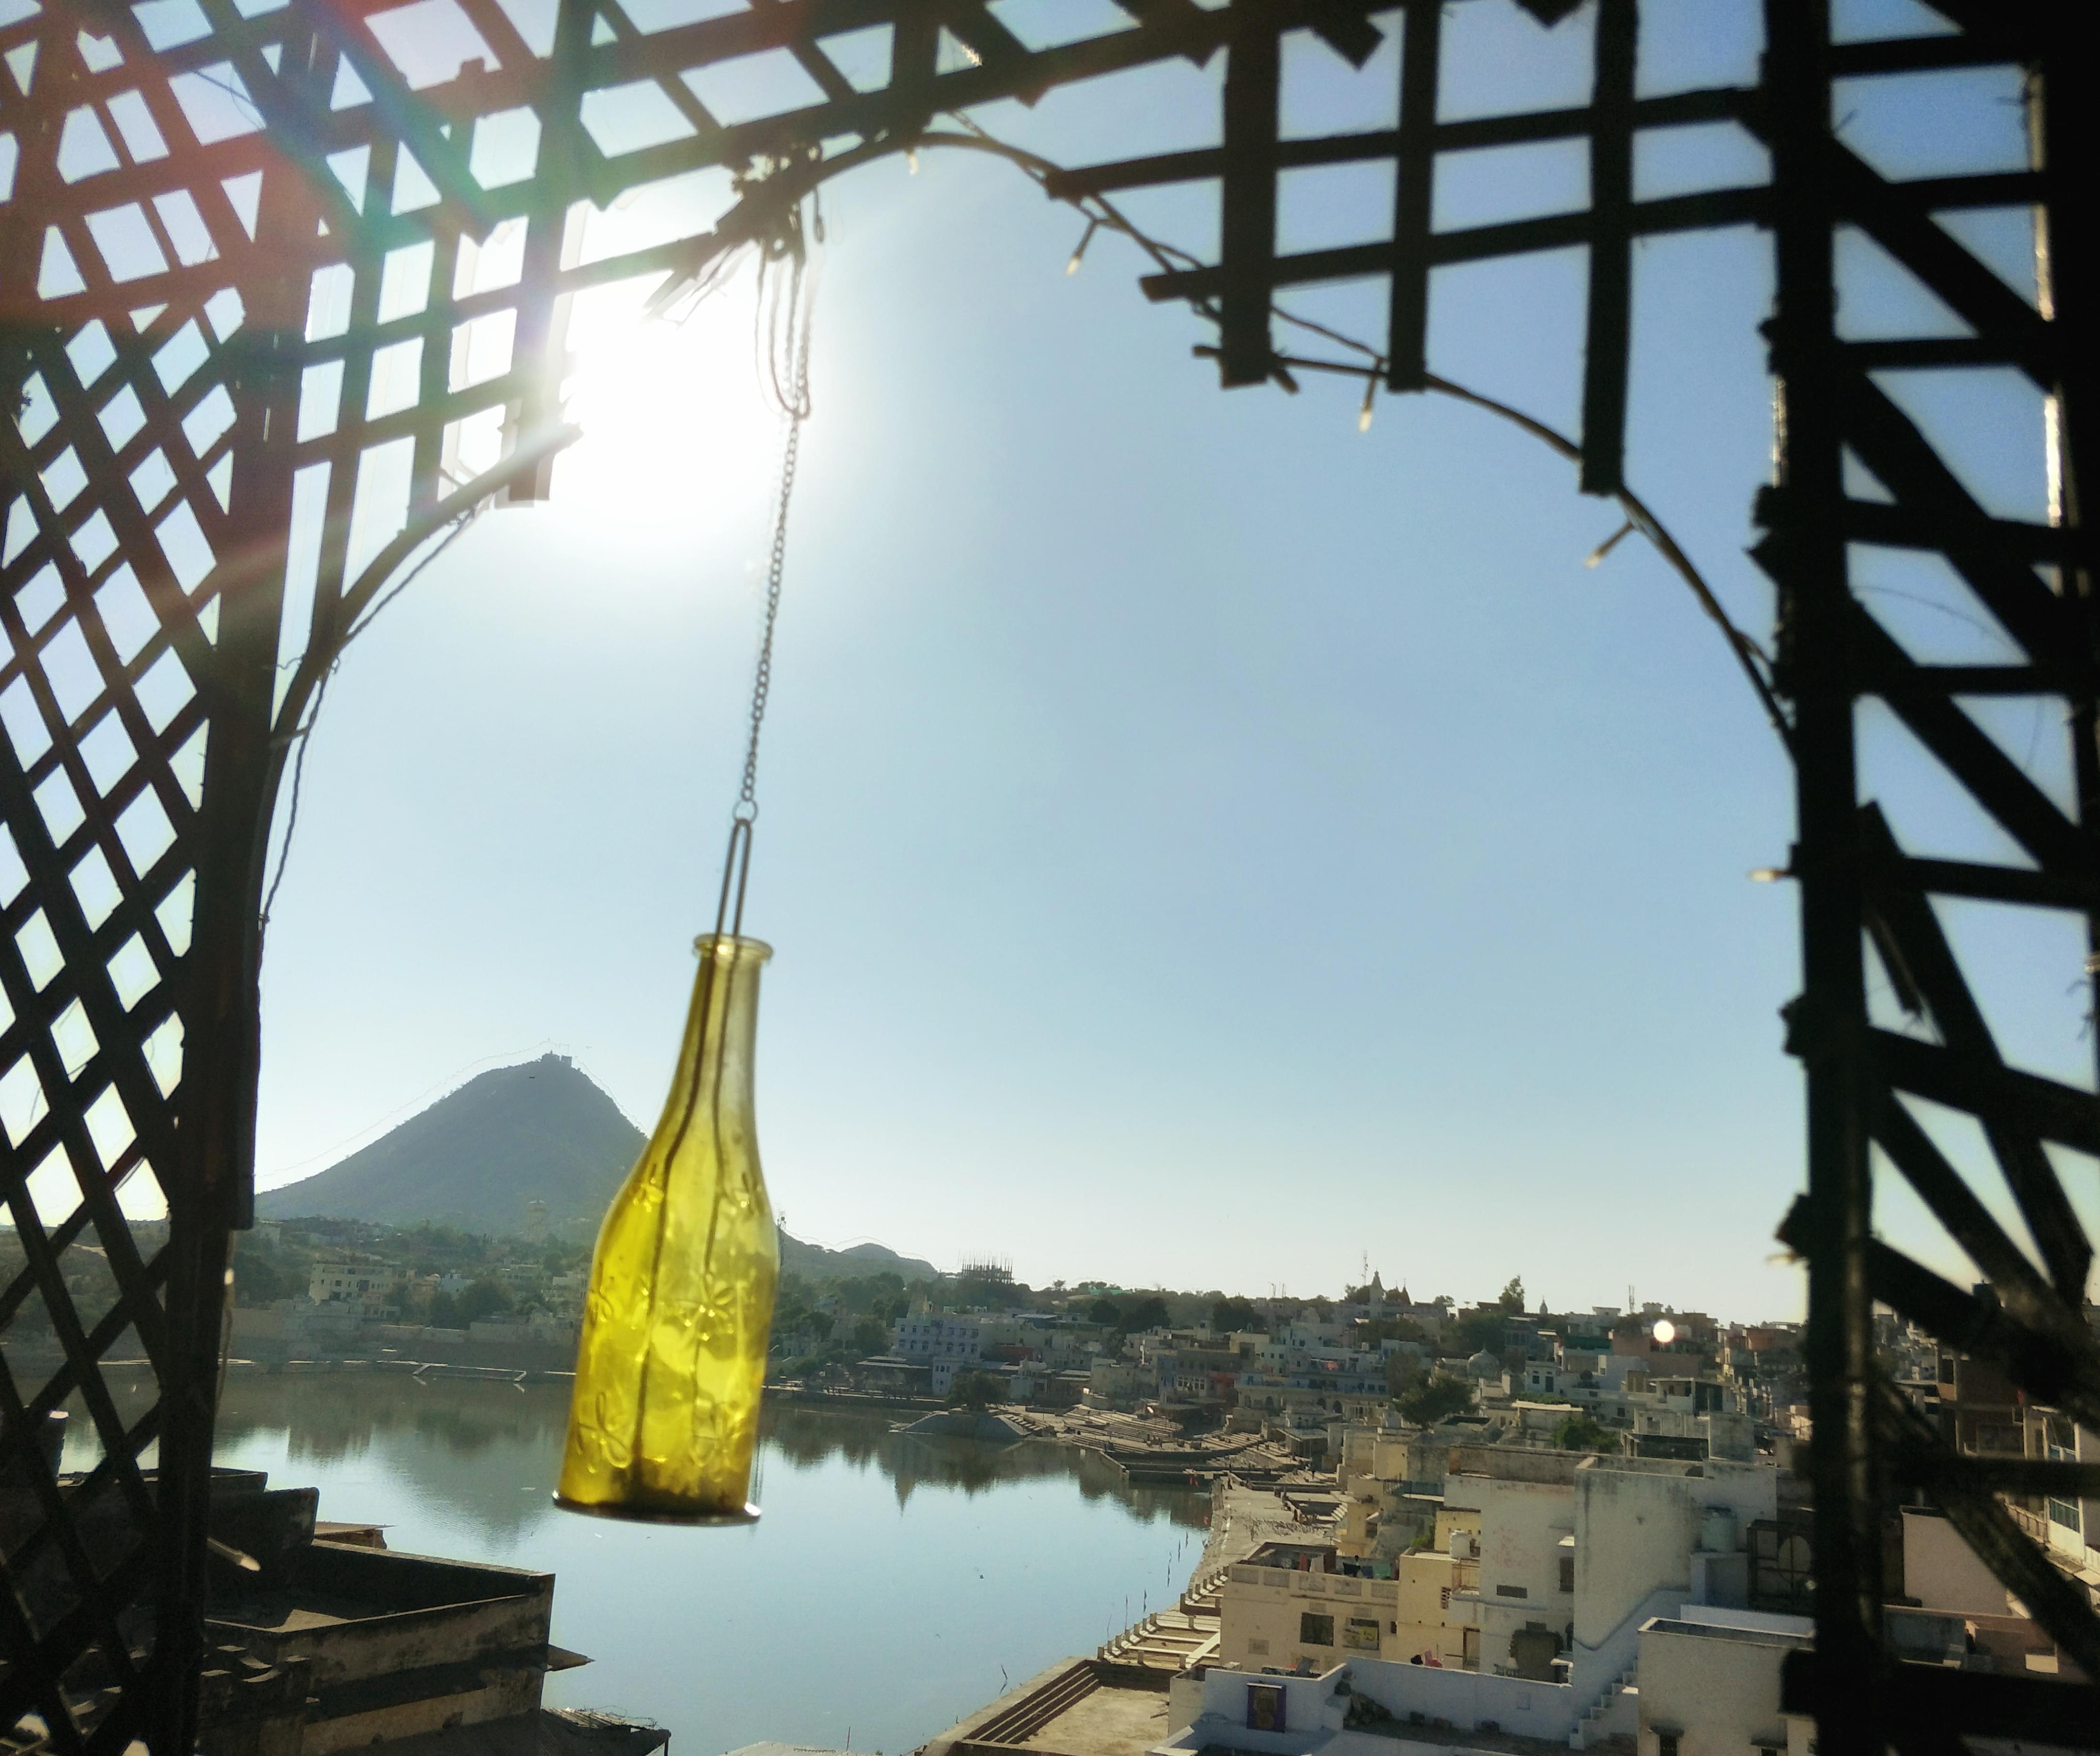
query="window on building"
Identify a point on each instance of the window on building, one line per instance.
(1567, 1572)
(1361, 1635)
(2065, 1512)
(1665, 1744)
(1512, 1591)
(1315, 1630)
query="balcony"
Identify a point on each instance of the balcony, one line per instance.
(1328, 1588)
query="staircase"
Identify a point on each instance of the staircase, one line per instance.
(1173, 1640)
(1025, 1718)
(1590, 1729)
(1202, 1596)
(1611, 1668)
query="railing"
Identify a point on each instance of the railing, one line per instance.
(1311, 1584)
(2032, 1525)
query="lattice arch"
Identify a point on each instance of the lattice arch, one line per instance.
(282, 297)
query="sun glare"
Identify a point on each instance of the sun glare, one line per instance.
(678, 433)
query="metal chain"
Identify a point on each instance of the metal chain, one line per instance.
(736, 865)
(776, 568)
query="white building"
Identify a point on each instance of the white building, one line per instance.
(1711, 1687)
(942, 1341)
(2069, 1528)
(1550, 1564)
(363, 1283)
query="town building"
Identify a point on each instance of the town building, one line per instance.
(942, 1342)
(369, 1284)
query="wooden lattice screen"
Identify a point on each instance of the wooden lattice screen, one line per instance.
(282, 286)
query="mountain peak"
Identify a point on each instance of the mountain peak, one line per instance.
(536, 1130)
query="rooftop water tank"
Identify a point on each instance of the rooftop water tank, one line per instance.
(1717, 1530)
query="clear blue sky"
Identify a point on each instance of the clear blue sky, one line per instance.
(1202, 843)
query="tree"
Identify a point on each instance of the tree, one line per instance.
(1476, 1330)
(444, 1311)
(1148, 1313)
(259, 1277)
(1106, 1312)
(1436, 1397)
(1583, 1432)
(484, 1298)
(1512, 1297)
(977, 1390)
(1236, 1314)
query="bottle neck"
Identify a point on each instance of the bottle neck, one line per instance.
(715, 1059)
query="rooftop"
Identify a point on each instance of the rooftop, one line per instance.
(1705, 1631)
(1112, 1720)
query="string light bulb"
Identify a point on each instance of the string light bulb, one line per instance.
(1086, 237)
(1364, 413)
(1609, 545)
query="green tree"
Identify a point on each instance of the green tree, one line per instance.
(259, 1277)
(1106, 1312)
(1474, 1331)
(1148, 1313)
(977, 1390)
(444, 1311)
(1512, 1297)
(484, 1298)
(1583, 1432)
(1438, 1395)
(1236, 1314)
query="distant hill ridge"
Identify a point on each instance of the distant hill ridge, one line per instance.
(540, 1131)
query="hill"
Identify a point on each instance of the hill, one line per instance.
(541, 1130)
(813, 1262)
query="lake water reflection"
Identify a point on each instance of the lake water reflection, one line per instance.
(895, 1583)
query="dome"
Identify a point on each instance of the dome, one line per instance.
(1484, 1364)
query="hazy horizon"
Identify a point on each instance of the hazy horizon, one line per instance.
(1271, 1290)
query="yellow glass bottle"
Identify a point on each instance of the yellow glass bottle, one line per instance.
(664, 1418)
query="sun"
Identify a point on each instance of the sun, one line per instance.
(679, 434)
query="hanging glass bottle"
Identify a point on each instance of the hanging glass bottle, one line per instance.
(672, 1363)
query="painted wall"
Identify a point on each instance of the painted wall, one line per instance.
(1636, 1524)
(1941, 1571)
(1635, 1532)
(1716, 1689)
(1426, 1580)
(1521, 1526)
(1263, 1612)
(1469, 1701)
(1445, 1700)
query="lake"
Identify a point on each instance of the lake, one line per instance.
(894, 1584)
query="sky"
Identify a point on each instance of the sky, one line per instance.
(1204, 843)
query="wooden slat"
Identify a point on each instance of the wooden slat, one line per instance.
(1415, 196)
(1247, 252)
(1609, 331)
